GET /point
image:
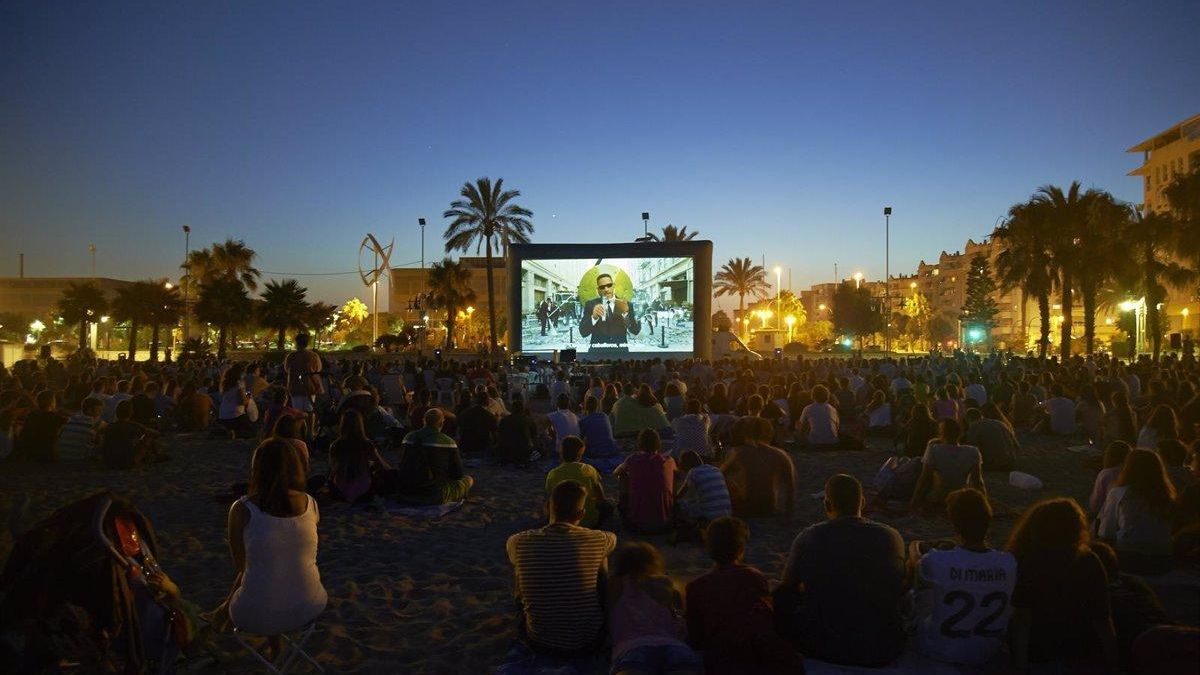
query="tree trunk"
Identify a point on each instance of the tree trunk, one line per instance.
(1044, 324)
(279, 340)
(491, 308)
(132, 349)
(1089, 319)
(154, 342)
(83, 334)
(1068, 308)
(742, 315)
(1024, 321)
(232, 338)
(221, 333)
(450, 320)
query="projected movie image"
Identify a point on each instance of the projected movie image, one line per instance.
(607, 306)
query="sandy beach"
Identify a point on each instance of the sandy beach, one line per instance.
(435, 596)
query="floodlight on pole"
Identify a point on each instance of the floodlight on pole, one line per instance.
(858, 277)
(421, 222)
(887, 280)
(645, 223)
(778, 290)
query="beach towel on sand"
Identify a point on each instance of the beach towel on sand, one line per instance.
(431, 511)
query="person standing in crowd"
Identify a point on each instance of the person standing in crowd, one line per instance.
(302, 370)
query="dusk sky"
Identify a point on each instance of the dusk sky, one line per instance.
(776, 129)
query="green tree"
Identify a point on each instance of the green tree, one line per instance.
(284, 306)
(14, 326)
(163, 307)
(1151, 237)
(1066, 213)
(1183, 196)
(450, 289)
(672, 233)
(224, 303)
(81, 304)
(721, 321)
(130, 307)
(741, 277)
(855, 313)
(1024, 262)
(1104, 256)
(917, 314)
(979, 307)
(487, 215)
(319, 317)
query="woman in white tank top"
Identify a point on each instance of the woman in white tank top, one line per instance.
(273, 541)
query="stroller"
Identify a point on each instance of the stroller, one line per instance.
(83, 590)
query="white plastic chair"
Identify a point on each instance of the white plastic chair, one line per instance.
(291, 649)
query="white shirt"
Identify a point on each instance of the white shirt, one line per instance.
(962, 614)
(566, 423)
(823, 423)
(977, 392)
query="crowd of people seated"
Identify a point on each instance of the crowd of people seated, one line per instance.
(697, 449)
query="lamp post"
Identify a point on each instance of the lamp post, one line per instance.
(187, 270)
(92, 250)
(645, 223)
(1138, 307)
(887, 280)
(778, 288)
(421, 222)
(858, 277)
(791, 322)
(1183, 313)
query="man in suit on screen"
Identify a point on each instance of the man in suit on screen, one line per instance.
(608, 320)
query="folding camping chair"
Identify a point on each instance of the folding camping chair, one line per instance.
(292, 649)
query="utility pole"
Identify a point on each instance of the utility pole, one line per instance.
(421, 222)
(187, 249)
(887, 280)
(92, 250)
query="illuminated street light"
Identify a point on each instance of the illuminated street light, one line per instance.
(821, 307)
(858, 277)
(791, 322)
(104, 319)
(168, 285)
(37, 326)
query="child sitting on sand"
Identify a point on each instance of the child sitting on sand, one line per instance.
(730, 610)
(598, 508)
(645, 616)
(647, 486)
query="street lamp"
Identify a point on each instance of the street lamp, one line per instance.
(765, 314)
(887, 280)
(778, 284)
(821, 307)
(858, 277)
(421, 222)
(1183, 321)
(168, 285)
(790, 321)
(645, 223)
(1138, 307)
(187, 249)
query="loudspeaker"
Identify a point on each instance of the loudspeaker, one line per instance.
(567, 355)
(1176, 340)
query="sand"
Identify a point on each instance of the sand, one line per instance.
(435, 596)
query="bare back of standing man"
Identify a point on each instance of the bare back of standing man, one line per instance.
(302, 368)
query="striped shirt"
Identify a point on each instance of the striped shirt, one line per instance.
(707, 496)
(691, 433)
(77, 441)
(557, 571)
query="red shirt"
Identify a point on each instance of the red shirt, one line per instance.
(651, 481)
(729, 619)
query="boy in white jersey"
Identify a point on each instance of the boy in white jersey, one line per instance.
(962, 609)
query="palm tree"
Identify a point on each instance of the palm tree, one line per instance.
(1066, 216)
(741, 277)
(82, 303)
(130, 307)
(450, 287)
(318, 316)
(1024, 263)
(283, 307)
(1151, 239)
(223, 302)
(1183, 195)
(236, 260)
(1104, 254)
(672, 233)
(487, 215)
(163, 306)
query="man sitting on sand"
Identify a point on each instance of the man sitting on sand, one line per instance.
(844, 584)
(759, 476)
(558, 570)
(430, 470)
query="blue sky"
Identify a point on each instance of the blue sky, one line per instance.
(776, 129)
